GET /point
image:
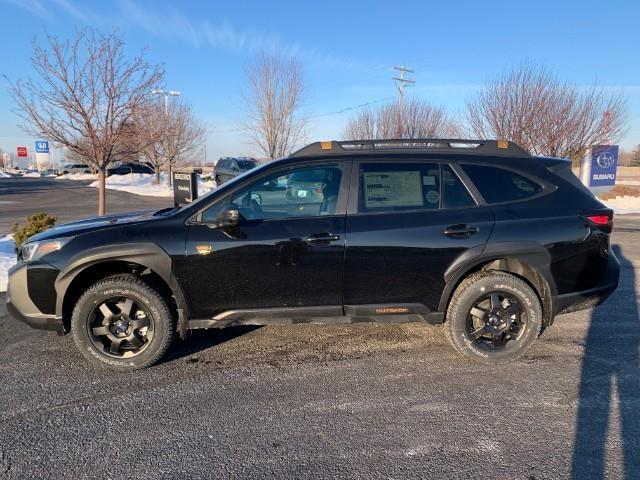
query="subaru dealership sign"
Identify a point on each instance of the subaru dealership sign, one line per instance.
(42, 146)
(604, 161)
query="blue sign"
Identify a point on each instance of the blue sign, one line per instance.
(42, 146)
(604, 161)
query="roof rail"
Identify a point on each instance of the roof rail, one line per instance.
(498, 148)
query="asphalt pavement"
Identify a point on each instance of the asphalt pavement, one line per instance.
(344, 401)
(66, 199)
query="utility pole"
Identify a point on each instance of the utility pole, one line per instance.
(400, 82)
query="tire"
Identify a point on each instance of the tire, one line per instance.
(218, 182)
(517, 320)
(98, 330)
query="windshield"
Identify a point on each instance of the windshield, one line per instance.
(246, 164)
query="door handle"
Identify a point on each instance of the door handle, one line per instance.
(319, 238)
(461, 230)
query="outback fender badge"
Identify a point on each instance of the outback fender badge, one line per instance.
(204, 249)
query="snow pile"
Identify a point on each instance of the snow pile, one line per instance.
(4, 175)
(623, 204)
(7, 259)
(78, 176)
(31, 175)
(143, 184)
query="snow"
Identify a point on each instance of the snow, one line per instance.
(143, 184)
(623, 205)
(7, 259)
(78, 176)
(4, 175)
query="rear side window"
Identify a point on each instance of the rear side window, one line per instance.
(399, 186)
(454, 193)
(498, 185)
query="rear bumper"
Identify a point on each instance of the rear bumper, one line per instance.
(20, 306)
(571, 302)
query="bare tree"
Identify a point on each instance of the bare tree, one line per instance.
(166, 138)
(532, 108)
(419, 119)
(274, 98)
(86, 98)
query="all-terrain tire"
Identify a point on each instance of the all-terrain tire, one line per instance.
(147, 298)
(477, 286)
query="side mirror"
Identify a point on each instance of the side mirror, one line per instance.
(228, 216)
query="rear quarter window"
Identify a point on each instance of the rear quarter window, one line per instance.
(498, 185)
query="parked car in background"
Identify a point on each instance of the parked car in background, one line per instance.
(125, 168)
(230, 167)
(75, 168)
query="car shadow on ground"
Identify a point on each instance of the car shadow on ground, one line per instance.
(199, 340)
(610, 366)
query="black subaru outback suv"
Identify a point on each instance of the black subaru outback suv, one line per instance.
(479, 235)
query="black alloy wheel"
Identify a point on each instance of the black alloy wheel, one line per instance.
(120, 327)
(495, 320)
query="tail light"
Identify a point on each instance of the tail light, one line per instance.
(599, 219)
(602, 220)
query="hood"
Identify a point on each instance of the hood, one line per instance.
(92, 224)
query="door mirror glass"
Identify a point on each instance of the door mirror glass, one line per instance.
(228, 216)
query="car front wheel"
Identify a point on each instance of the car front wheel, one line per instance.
(122, 323)
(493, 317)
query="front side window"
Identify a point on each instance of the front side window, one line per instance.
(303, 192)
(399, 186)
(498, 185)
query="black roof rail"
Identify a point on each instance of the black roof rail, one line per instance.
(498, 148)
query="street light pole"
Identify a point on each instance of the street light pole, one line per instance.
(173, 93)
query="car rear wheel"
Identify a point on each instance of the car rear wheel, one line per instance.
(493, 317)
(122, 323)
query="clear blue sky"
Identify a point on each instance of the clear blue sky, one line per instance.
(348, 49)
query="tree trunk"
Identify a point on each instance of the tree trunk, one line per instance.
(157, 175)
(102, 175)
(170, 180)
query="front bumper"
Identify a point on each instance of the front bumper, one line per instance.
(571, 302)
(21, 307)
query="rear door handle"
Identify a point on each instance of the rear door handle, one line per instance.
(322, 238)
(461, 230)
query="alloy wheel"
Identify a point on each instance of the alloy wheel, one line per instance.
(120, 327)
(495, 321)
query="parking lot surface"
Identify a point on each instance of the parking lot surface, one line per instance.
(66, 199)
(355, 401)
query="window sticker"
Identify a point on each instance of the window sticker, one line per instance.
(393, 189)
(429, 180)
(432, 196)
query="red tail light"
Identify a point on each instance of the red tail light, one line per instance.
(599, 219)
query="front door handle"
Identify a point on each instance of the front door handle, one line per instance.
(461, 230)
(322, 239)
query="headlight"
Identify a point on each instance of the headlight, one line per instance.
(34, 250)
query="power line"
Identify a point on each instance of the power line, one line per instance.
(326, 114)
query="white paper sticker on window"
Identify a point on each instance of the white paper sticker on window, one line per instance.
(392, 189)
(429, 180)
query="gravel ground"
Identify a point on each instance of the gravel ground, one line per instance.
(311, 401)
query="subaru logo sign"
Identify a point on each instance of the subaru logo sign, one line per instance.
(604, 161)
